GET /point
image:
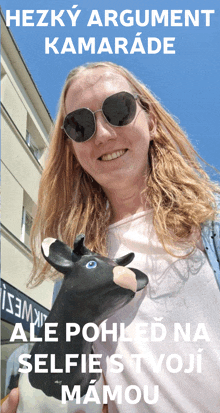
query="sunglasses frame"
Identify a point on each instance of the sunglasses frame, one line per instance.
(135, 96)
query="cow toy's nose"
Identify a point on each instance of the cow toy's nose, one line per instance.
(125, 278)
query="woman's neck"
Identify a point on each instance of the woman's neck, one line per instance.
(126, 201)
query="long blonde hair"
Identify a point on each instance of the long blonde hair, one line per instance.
(70, 202)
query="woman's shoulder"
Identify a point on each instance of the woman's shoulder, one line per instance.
(211, 229)
(210, 232)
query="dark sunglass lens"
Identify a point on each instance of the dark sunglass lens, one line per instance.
(120, 108)
(79, 125)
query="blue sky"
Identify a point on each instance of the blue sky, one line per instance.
(187, 82)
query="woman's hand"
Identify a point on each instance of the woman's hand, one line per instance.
(11, 403)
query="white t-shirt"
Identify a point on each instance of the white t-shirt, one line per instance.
(169, 334)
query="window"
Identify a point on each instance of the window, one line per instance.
(27, 221)
(32, 145)
(28, 212)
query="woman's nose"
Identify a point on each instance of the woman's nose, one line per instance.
(104, 131)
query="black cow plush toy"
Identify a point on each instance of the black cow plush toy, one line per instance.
(93, 289)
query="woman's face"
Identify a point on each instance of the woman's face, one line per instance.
(129, 143)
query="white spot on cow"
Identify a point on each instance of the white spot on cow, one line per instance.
(46, 245)
(125, 277)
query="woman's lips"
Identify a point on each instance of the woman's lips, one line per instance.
(113, 155)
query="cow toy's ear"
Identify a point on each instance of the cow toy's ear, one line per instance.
(125, 260)
(57, 254)
(79, 247)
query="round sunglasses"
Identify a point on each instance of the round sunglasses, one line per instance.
(118, 109)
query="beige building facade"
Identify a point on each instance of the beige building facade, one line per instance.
(25, 127)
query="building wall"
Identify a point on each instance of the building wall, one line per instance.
(25, 127)
(24, 135)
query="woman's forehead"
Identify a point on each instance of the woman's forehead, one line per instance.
(99, 76)
(96, 83)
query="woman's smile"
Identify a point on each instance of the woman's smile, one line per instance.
(113, 155)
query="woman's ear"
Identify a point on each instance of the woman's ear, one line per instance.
(69, 144)
(152, 122)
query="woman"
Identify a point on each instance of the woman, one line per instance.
(128, 178)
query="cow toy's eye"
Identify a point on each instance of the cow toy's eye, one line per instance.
(91, 264)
